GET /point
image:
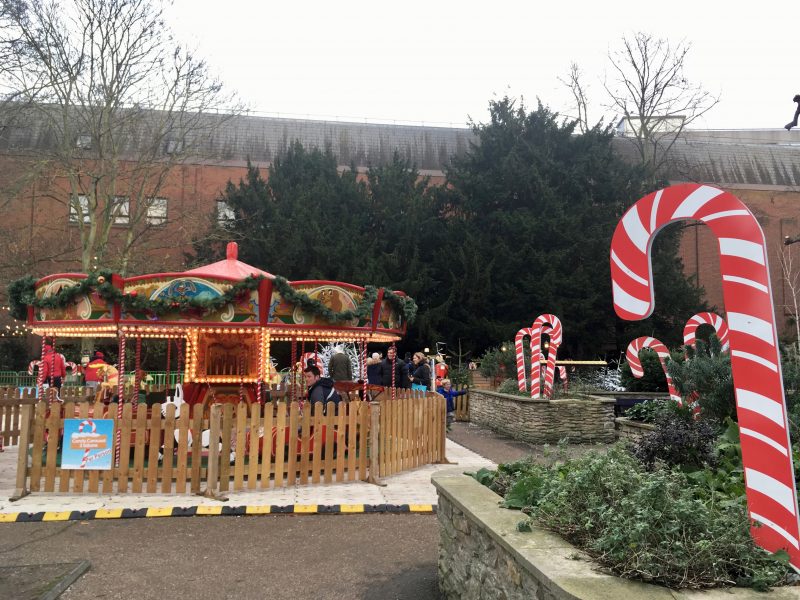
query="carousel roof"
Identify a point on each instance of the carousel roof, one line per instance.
(230, 266)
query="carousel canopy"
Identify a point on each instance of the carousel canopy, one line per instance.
(224, 295)
(230, 266)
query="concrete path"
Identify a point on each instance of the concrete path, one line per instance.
(411, 488)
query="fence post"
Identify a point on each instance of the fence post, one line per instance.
(22, 460)
(212, 473)
(440, 406)
(374, 443)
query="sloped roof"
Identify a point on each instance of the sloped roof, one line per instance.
(230, 266)
(731, 157)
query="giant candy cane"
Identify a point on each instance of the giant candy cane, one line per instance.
(706, 318)
(522, 380)
(632, 356)
(551, 325)
(755, 362)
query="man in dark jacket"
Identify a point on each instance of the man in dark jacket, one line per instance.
(401, 379)
(320, 389)
(339, 367)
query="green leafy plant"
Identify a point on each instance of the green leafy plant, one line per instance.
(706, 374)
(643, 524)
(647, 411)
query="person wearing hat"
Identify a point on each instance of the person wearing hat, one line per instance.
(92, 375)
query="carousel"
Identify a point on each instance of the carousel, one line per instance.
(221, 320)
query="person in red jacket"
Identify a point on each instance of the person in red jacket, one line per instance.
(53, 367)
(91, 373)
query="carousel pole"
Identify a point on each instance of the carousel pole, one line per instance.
(51, 395)
(179, 350)
(394, 371)
(40, 374)
(260, 371)
(138, 367)
(364, 368)
(166, 376)
(293, 371)
(240, 368)
(120, 391)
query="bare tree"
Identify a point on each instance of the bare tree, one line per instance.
(119, 104)
(654, 97)
(574, 83)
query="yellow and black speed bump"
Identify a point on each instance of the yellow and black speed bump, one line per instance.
(214, 510)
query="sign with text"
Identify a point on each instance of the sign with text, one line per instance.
(88, 444)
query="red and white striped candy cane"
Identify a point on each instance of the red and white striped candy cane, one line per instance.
(706, 318)
(755, 361)
(313, 357)
(87, 423)
(632, 356)
(551, 325)
(562, 373)
(522, 380)
(33, 365)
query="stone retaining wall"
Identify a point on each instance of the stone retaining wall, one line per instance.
(632, 430)
(482, 555)
(543, 421)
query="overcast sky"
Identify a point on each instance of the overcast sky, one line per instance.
(441, 61)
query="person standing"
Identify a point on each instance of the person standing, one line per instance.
(339, 367)
(446, 390)
(400, 372)
(320, 389)
(374, 369)
(420, 373)
(91, 372)
(793, 122)
(53, 367)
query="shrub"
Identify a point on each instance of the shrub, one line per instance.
(647, 411)
(678, 440)
(497, 362)
(647, 525)
(653, 380)
(707, 373)
(511, 386)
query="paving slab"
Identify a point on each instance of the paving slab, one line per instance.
(411, 490)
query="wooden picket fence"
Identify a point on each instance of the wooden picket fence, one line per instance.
(12, 399)
(277, 444)
(462, 407)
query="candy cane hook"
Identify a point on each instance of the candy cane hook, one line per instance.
(706, 318)
(551, 325)
(632, 356)
(522, 380)
(755, 362)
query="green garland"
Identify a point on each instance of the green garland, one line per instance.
(405, 305)
(22, 293)
(362, 312)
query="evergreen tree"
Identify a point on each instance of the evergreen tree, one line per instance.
(534, 208)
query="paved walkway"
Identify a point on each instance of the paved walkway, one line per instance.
(412, 488)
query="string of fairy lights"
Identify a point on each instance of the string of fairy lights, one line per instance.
(11, 327)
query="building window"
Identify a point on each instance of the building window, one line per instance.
(174, 147)
(121, 210)
(79, 204)
(225, 214)
(157, 211)
(84, 141)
